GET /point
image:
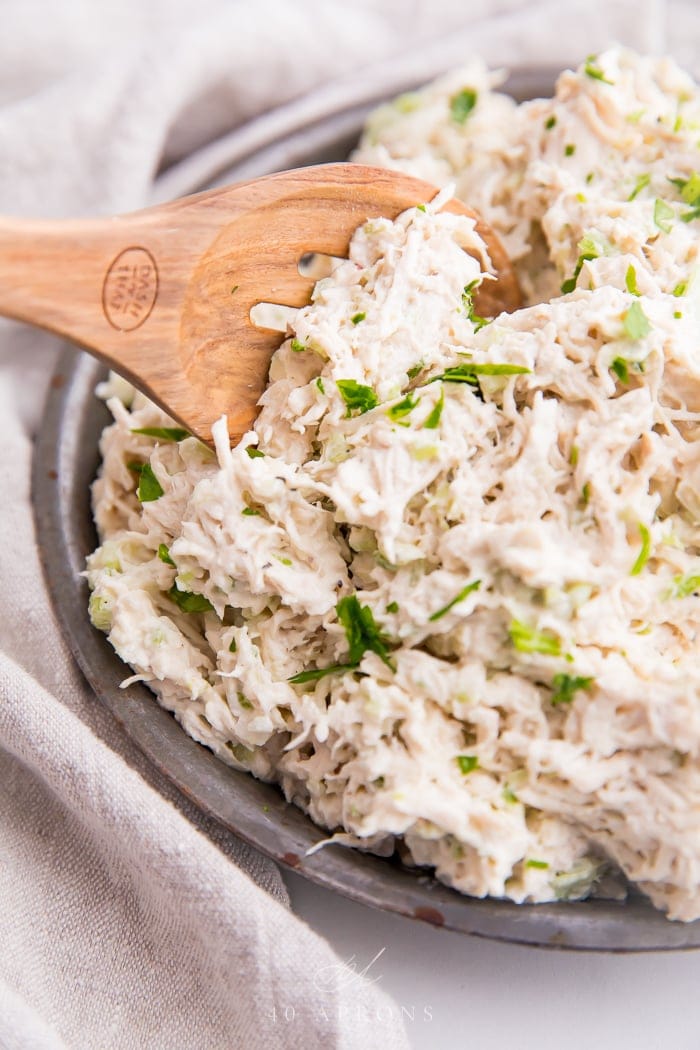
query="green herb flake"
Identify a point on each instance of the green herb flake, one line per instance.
(250, 512)
(361, 630)
(319, 672)
(470, 587)
(433, 420)
(462, 104)
(233, 646)
(621, 369)
(573, 455)
(589, 250)
(569, 149)
(189, 602)
(467, 372)
(244, 702)
(164, 554)
(420, 207)
(631, 280)
(319, 385)
(403, 408)
(356, 396)
(415, 370)
(529, 640)
(680, 289)
(163, 433)
(592, 70)
(586, 494)
(550, 122)
(509, 795)
(589, 177)
(677, 314)
(663, 215)
(149, 488)
(283, 560)
(643, 556)
(297, 346)
(635, 322)
(356, 318)
(392, 607)
(565, 686)
(641, 183)
(467, 763)
(689, 188)
(468, 304)
(255, 453)
(684, 586)
(532, 863)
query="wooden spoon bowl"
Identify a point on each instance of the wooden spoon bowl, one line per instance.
(164, 295)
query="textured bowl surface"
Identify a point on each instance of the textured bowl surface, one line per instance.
(65, 462)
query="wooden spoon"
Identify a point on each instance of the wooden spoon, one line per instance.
(164, 295)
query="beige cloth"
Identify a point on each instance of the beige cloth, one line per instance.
(128, 920)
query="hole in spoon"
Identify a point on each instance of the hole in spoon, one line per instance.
(316, 265)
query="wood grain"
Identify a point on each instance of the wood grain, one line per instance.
(164, 295)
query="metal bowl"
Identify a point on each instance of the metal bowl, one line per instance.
(65, 462)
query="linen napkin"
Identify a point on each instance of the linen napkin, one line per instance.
(127, 919)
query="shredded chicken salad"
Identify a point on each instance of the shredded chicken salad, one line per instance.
(446, 591)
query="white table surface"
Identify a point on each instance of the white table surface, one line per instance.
(465, 993)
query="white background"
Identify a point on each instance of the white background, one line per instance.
(471, 994)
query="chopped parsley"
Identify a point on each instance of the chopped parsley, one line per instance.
(641, 183)
(403, 408)
(468, 304)
(255, 453)
(467, 763)
(164, 554)
(529, 640)
(392, 607)
(462, 104)
(363, 635)
(631, 280)
(536, 864)
(433, 420)
(550, 122)
(643, 556)
(414, 370)
(467, 372)
(148, 488)
(663, 215)
(357, 396)
(565, 686)
(233, 647)
(319, 385)
(680, 289)
(297, 346)
(250, 512)
(470, 587)
(592, 70)
(635, 322)
(356, 318)
(163, 433)
(189, 602)
(689, 190)
(569, 149)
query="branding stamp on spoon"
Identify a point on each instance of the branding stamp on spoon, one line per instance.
(130, 289)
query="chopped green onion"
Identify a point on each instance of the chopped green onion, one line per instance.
(468, 304)
(663, 215)
(631, 280)
(462, 104)
(414, 370)
(621, 369)
(529, 640)
(643, 556)
(467, 763)
(164, 554)
(319, 672)
(594, 71)
(536, 864)
(474, 586)
(148, 488)
(357, 396)
(392, 607)
(589, 249)
(397, 412)
(361, 630)
(250, 512)
(565, 686)
(586, 494)
(641, 183)
(233, 647)
(550, 122)
(433, 420)
(255, 453)
(356, 318)
(635, 322)
(297, 346)
(319, 385)
(189, 602)
(569, 149)
(684, 586)
(680, 289)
